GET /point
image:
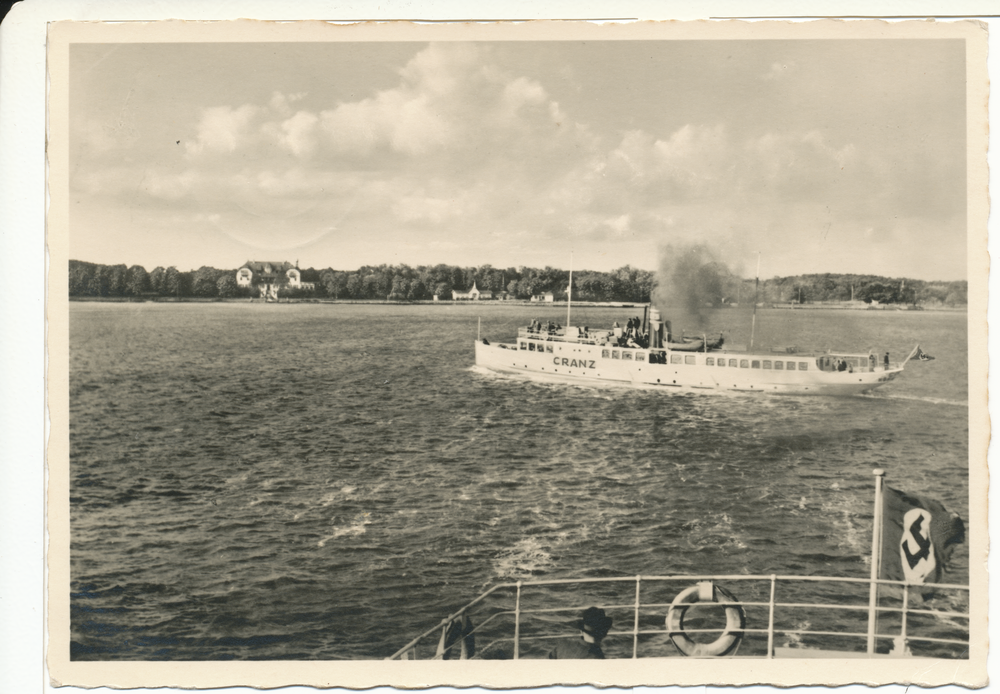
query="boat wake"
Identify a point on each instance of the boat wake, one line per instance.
(915, 398)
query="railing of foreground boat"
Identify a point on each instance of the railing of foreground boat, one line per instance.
(523, 619)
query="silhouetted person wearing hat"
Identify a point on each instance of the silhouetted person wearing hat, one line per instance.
(594, 626)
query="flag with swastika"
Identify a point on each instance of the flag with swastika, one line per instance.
(918, 537)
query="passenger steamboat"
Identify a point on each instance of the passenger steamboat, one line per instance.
(646, 353)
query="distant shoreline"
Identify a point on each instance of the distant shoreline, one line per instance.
(891, 308)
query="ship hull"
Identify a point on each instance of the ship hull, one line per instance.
(699, 372)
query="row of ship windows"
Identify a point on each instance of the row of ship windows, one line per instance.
(758, 364)
(629, 355)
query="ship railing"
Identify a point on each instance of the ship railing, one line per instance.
(781, 618)
(590, 337)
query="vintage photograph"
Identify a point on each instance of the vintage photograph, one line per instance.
(452, 347)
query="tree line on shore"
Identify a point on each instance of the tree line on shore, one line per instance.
(422, 283)
(867, 288)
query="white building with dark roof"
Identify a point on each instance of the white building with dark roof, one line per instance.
(471, 295)
(270, 277)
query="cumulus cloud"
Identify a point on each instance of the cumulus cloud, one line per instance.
(452, 104)
(457, 136)
(224, 129)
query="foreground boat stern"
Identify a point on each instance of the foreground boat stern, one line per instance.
(748, 616)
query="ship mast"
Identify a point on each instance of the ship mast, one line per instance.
(756, 286)
(569, 290)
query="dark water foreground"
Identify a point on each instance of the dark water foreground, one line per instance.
(326, 481)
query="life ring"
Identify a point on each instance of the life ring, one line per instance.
(706, 592)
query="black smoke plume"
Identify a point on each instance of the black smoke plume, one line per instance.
(692, 279)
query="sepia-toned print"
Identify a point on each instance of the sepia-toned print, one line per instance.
(473, 349)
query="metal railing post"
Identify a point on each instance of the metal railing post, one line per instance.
(517, 623)
(902, 630)
(770, 618)
(635, 622)
(441, 642)
(464, 654)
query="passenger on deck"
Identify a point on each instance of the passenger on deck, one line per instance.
(886, 361)
(872, 360)
(841, 365)
(594, 626)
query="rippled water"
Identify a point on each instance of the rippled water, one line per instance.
(319, 481)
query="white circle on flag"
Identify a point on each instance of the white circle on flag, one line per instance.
(916, 550)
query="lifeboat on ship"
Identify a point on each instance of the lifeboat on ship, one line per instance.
(694, 344)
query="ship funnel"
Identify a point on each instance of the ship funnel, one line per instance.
(655, 328)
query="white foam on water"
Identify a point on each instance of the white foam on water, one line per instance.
(793, 639)
(525, 558)
(915, 398)
(356, 528)
(238, 479)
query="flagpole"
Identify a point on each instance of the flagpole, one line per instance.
(876, 560)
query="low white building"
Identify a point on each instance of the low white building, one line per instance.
(471, 295)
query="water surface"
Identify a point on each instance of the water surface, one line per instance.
(319, 481)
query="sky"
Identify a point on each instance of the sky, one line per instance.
(842, 156)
